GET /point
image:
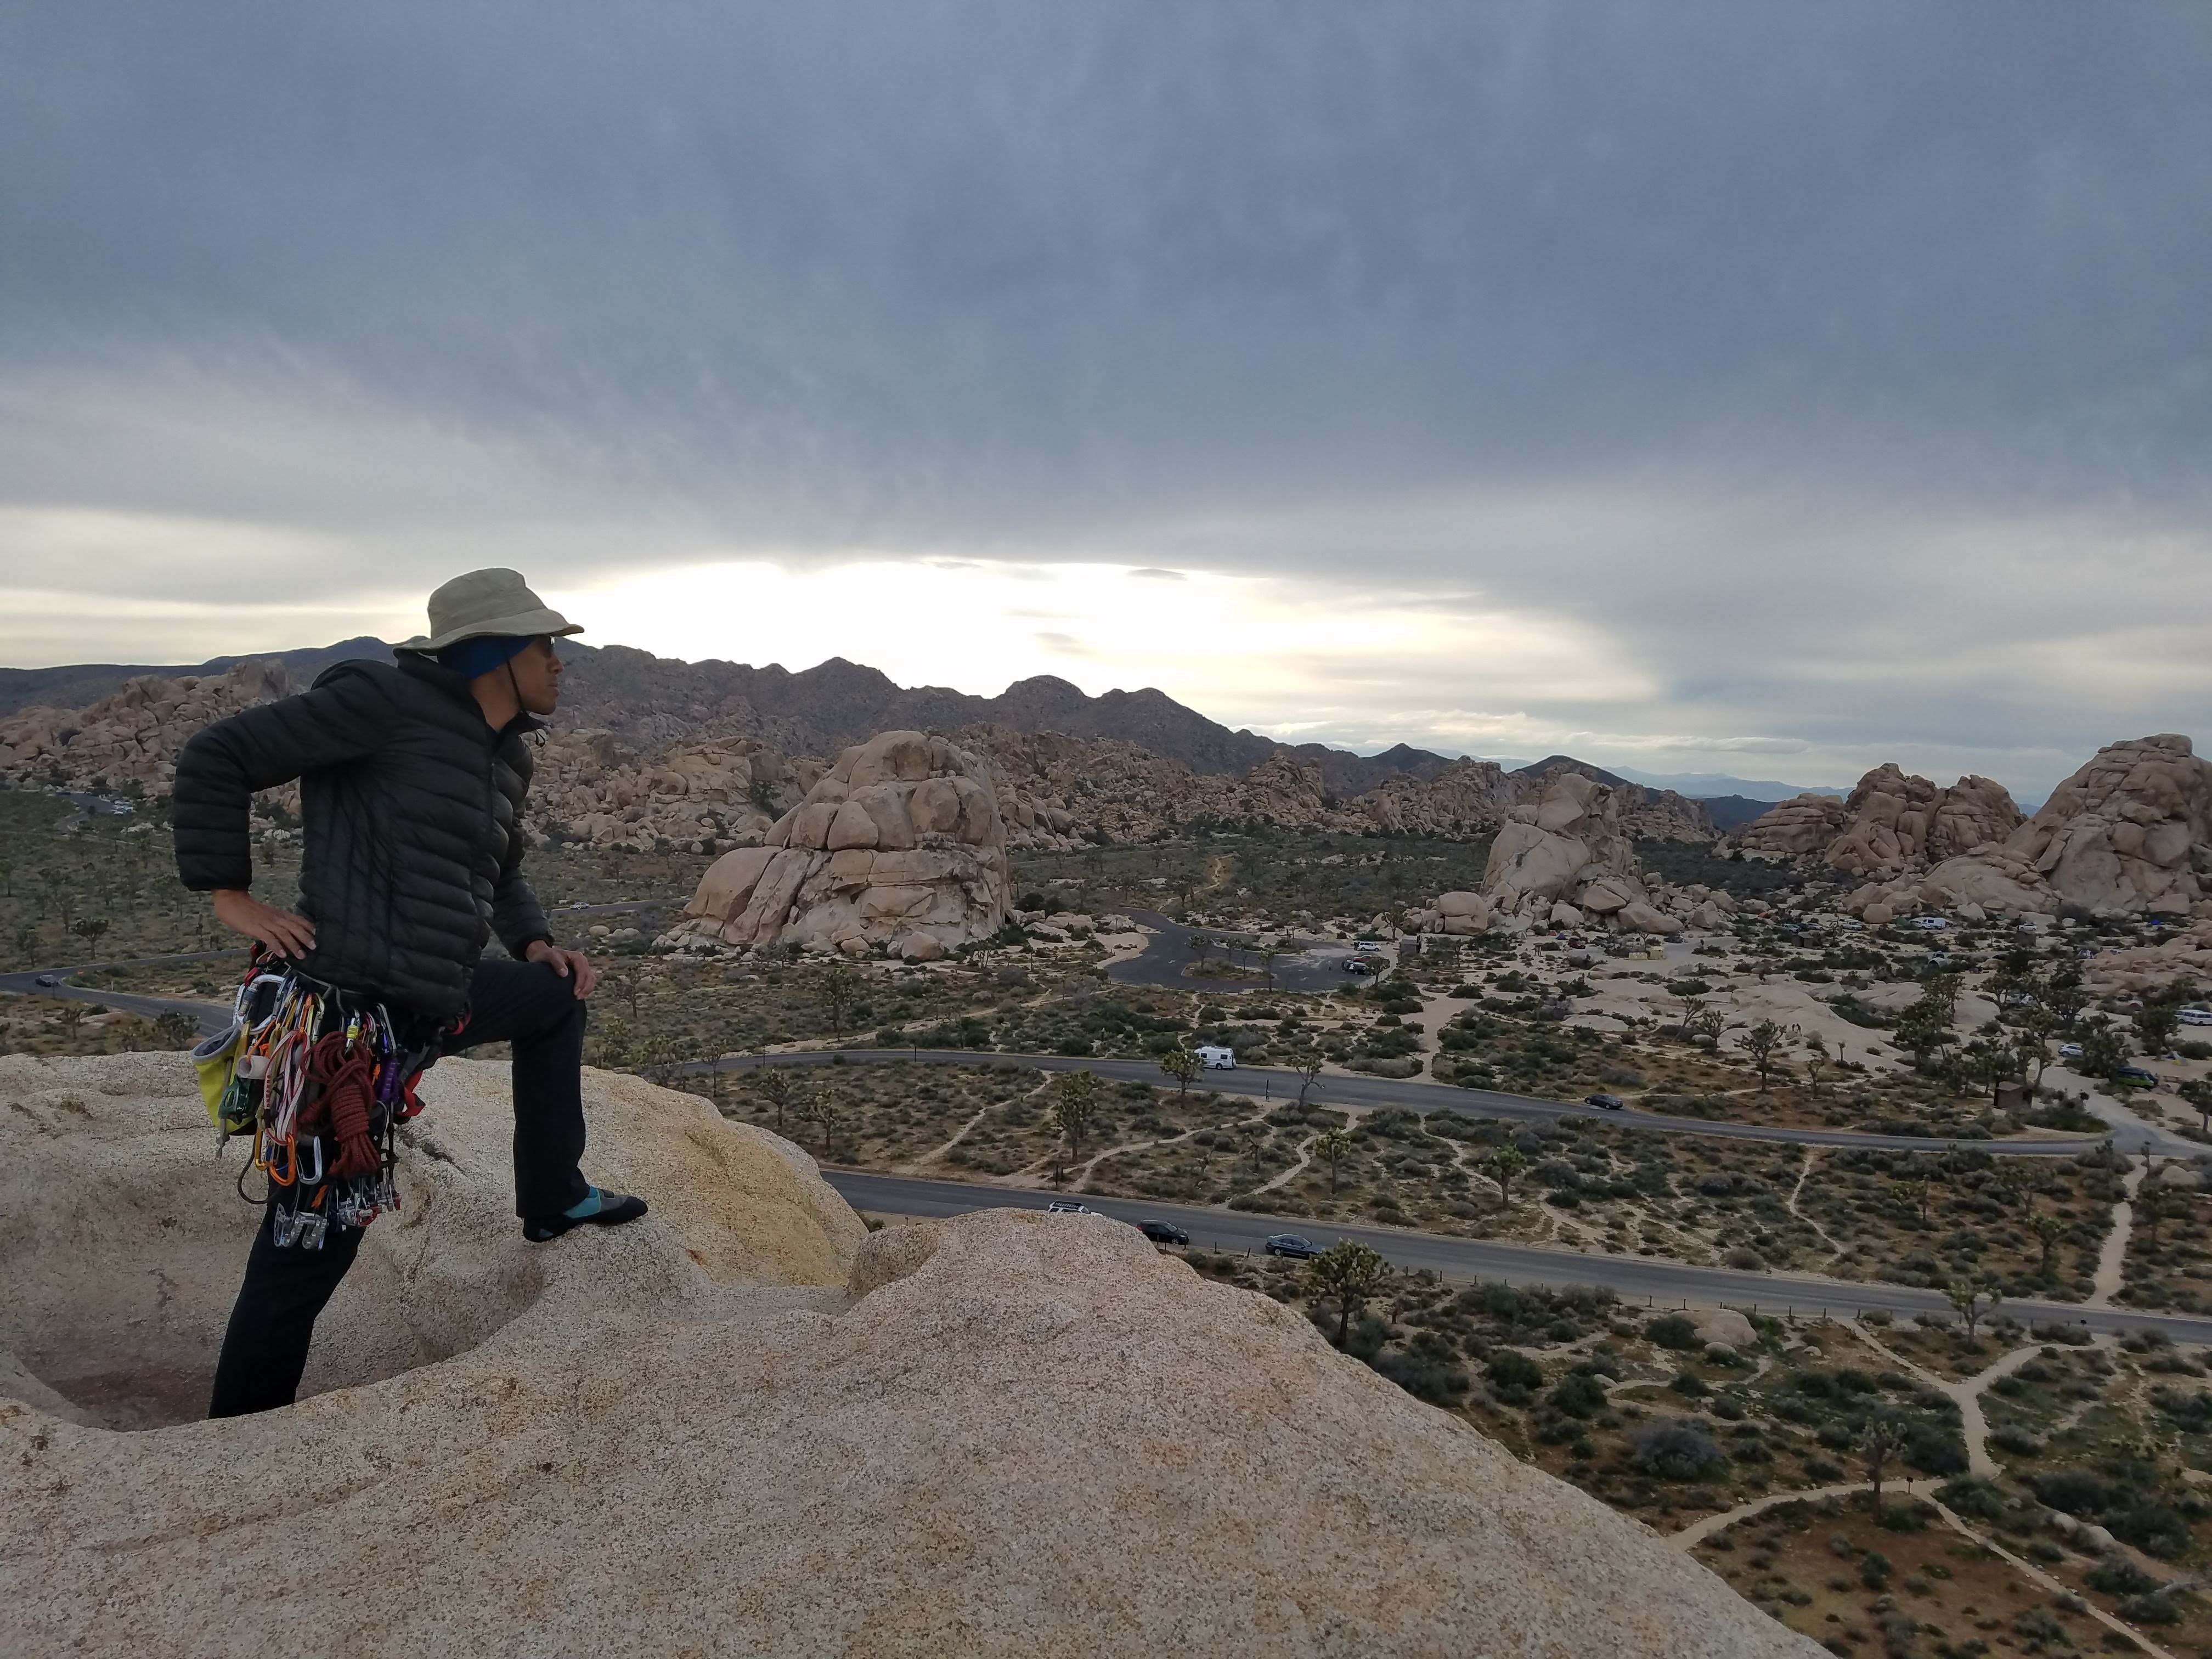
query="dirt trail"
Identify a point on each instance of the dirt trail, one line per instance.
(1965, 1392)
(1298, 1169)
(1812, 1157)
(2112, 1256)
(935, 1153)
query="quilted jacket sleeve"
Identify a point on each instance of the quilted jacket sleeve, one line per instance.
(516, 915)
(218, 770)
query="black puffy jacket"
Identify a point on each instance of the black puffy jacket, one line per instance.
(412, 806)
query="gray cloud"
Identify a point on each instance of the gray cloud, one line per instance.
(1844, 370)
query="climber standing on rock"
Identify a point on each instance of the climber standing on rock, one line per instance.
(412, 779)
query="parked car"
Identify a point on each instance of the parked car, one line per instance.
(2136, 1075)
(1292, 1244)
(1163, 1233)
(1216, 1059)
(1364, 964)
(46, 981)
(1068, 1206)
(1931, 924)
(2069, 1051)
(1609, 1103)
(2197, 1016)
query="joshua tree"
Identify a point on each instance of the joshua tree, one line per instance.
(1965, 1295)
(1307, 1064)
(1709, 1023)
(1180, 1063)
(26, 940)
(1199, 944)
(1943, 990)
(1268, 953)
(1349, 1272)
(1075, 1102)
(835, 988)
(1501, 1166)
(2048, 1230)
(2156, 1022)
(1332, 1145)
(2198, 1093)
(89, 928)
(1816, 1061)
(1922, 1029)
(176, 1027)
(1886, 1434)
(782, 1090)
(827, 1110)
(1913, 1190)
(2103, 1050)
(1764, 1043)
(2154, 1204)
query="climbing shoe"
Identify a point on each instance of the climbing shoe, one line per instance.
(600, 1208)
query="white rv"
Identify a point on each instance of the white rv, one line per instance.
(1217, 1059)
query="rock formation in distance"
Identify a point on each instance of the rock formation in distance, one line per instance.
(901, 845)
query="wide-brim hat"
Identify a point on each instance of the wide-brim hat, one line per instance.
(488, 602)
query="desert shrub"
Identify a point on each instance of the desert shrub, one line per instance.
(2117, 1576)
(1425, 1376)
(1673, 1331)
(2013, 1439)
(1675, 1448)
(1511, 1368)
(1875, 1570)
(1579, 1395)
(2193, 1411)
(2077, 1491)
(1974, 1497)
(2156, 1608)
(1690, 1385)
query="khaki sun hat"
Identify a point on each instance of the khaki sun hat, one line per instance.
(487, 602)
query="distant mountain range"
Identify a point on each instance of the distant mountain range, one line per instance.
(651, 701)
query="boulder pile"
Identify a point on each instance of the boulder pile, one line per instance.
(1890, 821)
(741, 1425)
(2129, 834)
(1566, 860)
(900, 845)
(131, 735)
(701, 796)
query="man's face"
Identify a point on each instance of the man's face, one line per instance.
(537, 676)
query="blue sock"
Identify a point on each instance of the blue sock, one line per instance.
(590, 1207)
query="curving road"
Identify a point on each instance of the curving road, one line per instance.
(1407, 1094)
(1650, 1279)
(1307, 965)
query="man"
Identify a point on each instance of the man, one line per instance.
(411, 781)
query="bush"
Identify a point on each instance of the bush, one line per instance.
(2017, 1440)
(1673, 1331)
(2117, 1576)
(1675, 1449)
(2077, 1491)
(1579, 1395)
(1875, 1570)
(1425, 1377)
(1974, 1497)
(2156, 1608)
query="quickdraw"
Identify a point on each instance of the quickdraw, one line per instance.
(320, 1078)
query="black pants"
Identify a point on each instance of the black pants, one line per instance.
(525, 1004)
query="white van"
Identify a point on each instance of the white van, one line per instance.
(2197, 1016)
(1217, 1059)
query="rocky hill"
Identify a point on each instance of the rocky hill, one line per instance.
(742, 1425)
(2129, 834)
(645, 749)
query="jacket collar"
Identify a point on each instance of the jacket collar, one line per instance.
(432, 672)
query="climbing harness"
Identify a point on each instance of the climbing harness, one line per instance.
(321, 1078)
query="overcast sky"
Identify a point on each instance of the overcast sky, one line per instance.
(1768, 387)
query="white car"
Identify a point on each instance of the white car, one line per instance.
(2197, 1016)
(2069, 1051)
(1930, 924)
(1217, 1059)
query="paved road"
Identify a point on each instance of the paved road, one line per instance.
(1635, 1278)
(1409, 1094)
(1307, 965)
